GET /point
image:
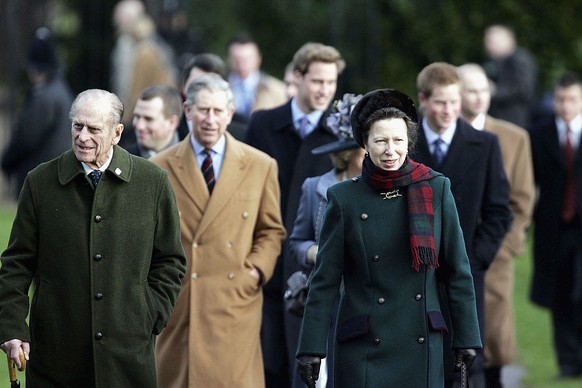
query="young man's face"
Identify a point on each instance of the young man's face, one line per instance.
(443, 107)
(568, 102)
(316, 88)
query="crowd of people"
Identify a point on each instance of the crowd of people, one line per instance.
(158, 224)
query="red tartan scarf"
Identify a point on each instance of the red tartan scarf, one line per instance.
(413, 177)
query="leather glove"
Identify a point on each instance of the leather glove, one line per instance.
(464, 355)
(308, 368)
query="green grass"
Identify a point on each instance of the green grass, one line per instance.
(535, 352)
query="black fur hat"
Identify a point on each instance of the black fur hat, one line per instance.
(42, 54)
(376, 100)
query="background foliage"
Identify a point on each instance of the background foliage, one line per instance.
(385, 42)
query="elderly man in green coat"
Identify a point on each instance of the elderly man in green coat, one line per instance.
(97, 233)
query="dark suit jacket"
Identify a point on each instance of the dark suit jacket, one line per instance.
(272, 131)
(475, 167)
(550, 177)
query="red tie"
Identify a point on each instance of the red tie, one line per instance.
(569, 201)
(208, 171)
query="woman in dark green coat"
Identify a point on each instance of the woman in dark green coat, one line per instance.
(393, 236)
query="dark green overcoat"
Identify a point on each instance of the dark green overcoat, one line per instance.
(390, 323)
(106, 267)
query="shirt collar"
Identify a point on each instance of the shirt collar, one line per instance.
(297, 114)
(575, 126)
(431, 136)
(89, 170)
(217, 148)
(479, 122)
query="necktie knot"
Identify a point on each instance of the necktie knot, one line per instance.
(95, 175)
(303, 127)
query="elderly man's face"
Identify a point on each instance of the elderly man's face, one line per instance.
(93, 133)
(210, 115)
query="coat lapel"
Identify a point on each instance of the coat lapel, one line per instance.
(188, 173)
(464, 152)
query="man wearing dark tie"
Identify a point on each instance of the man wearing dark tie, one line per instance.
(472, 160)
(557, 276)
(228, 196)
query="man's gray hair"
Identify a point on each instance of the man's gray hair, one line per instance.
(211, 82)
(98, 94)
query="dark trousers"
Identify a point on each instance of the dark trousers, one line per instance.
(567, 306)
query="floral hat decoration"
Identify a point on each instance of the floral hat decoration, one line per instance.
(339, 123)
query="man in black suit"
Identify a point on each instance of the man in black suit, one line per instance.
(472, 160)
(288, 133)
(557, 276)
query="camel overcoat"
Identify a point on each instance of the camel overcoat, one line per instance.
(500, 341)
(106, 266)
(212, 339)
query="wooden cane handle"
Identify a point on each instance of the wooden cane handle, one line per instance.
(12, 366)
(22, 360)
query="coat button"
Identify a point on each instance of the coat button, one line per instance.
(420, 340)
(194, 276)
(245, 215)
(98, 218)
(418, 297)
(98, 335)
(381, 300)
(376, 258)
(231, 275)
(97, 257)
(98, 296)
(376, 341)
(355, 179)
(195, 245)
(364, 216)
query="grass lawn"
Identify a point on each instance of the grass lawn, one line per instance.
(535, 352)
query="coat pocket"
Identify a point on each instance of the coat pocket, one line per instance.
(353, 328)
(436, 321)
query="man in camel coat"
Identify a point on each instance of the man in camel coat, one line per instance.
(232, 233)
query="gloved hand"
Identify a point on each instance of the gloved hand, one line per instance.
(308, 368)
(464, 355)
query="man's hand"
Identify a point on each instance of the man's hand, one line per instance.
(12, 349)
(308, 368)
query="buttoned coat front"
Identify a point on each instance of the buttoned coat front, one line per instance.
(212, 339)
(106, 266)
(390, 324)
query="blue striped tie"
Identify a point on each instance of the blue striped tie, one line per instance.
(438, 154)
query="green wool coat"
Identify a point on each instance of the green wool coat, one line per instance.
(390, 326)
(106, 267)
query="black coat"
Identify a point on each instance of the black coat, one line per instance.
(475, 167)
(272, 131)
(550, 177)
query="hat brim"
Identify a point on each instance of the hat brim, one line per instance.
(336, 146)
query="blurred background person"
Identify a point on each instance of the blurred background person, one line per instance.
(155, 119)
(500, 342)
(153, 64)
(347, 158)
(125, 15)
(252, 88)
(41, 131)
(513, 74)
(197, 65)
(557, 248)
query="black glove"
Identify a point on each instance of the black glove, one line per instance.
(464, 355)
(308, 368)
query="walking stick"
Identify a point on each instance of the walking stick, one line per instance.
(14, 383)
(464, 376)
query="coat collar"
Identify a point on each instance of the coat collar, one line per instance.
(325, 181)
(69, 167)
